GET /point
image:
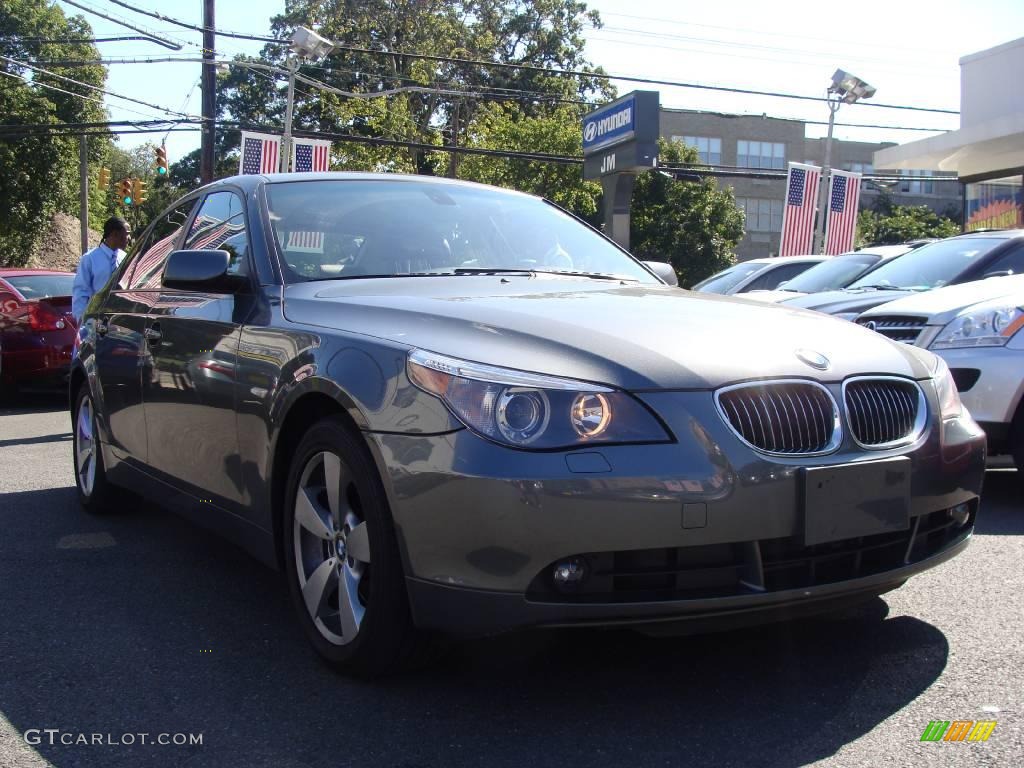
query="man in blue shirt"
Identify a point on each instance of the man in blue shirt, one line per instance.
(97, 265)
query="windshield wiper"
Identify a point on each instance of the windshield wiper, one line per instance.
(592, 275)
(490, 271)
(878, 288)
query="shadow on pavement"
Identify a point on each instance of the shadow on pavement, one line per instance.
(1002, 504)
(33, 402)
(141, 623)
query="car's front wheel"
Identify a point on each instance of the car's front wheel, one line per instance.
(94, 492)
(341, 558)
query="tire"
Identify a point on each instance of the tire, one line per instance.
(95, 493)
(342, 565)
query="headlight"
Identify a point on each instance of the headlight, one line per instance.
(981, 326)
(950, 406)
(528, 410)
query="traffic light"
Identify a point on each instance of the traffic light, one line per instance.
(138, 191)
(124, 192)
(161, 161)
(104, 178)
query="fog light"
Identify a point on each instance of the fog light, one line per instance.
(570, 573)
(961, 513)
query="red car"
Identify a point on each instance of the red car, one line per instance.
(37, 329)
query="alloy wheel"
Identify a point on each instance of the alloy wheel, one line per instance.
(85, 447)
(332, 548)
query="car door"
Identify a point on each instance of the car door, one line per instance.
(192, 357)
(119, 337)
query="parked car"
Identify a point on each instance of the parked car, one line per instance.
(832, 274)
(757, 274)
(977, 329)
(37, 329)
(460, 428)
(954, 260)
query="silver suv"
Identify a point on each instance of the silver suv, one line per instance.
(978, 328)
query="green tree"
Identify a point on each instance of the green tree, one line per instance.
(537, 33)
(902, 223)
(38, 172)
(694, 225)
(506, 127)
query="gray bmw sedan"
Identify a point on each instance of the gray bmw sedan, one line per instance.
(443, 407)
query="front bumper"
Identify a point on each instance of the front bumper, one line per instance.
(698, 528)
(996, 387)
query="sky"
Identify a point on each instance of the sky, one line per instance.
(908, 49)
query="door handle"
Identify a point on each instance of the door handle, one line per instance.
(153, 335)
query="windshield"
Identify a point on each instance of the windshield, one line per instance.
(42, 286)
(930, 266)
(831, 273)
(342, 229)
(727, 279)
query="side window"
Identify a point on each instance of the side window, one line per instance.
(144, 274)
(220, 224)
(1012, 262)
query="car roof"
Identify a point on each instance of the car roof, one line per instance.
(784, 259)
(1005, 234)
(18, 272)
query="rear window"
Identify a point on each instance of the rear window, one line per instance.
(42, 286)
(727, 279)
(930, 266)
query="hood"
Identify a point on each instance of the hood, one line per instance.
(628, 335)
(849, 301)
(771, 297)
(942, 305)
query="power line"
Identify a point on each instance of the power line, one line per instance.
(150, 35)
(92, 87)
(186, 25)
(62, 90)
(82, 40)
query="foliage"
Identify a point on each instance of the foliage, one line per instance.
(694, 225)
(902, 223)
(506, 126)
(39, 173)
(535, 33)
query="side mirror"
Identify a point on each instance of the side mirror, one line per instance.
(664, 271)
(199, 271)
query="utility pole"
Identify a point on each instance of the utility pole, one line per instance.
(286, 145)
(209, 98)
(826, 175)
(453, 157)
(83, 194)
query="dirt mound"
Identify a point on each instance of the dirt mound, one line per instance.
(61, 246)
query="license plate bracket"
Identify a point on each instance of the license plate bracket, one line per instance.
(846, 501)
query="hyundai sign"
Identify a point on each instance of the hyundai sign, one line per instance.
(621, 137)
(610, 125)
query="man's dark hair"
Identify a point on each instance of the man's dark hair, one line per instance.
(114, 224)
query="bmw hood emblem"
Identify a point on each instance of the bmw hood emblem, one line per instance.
(814, 359)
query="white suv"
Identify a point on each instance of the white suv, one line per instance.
(978, 329)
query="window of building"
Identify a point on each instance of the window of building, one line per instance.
(914, 185)
(760, 154)
(762, 215)
(709, 149)
(865, 168)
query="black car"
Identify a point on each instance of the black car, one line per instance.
(954, 260)
(445, 407)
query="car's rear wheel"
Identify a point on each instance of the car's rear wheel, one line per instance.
(341, 557)
(94, 492)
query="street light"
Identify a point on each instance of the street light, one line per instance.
(306, 44)
(845, 89)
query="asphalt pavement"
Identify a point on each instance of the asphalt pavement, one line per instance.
(138, 622)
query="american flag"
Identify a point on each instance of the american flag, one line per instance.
(798, 213)
(305, 242)
(259, 153)
(843, 202)
(311, 155)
